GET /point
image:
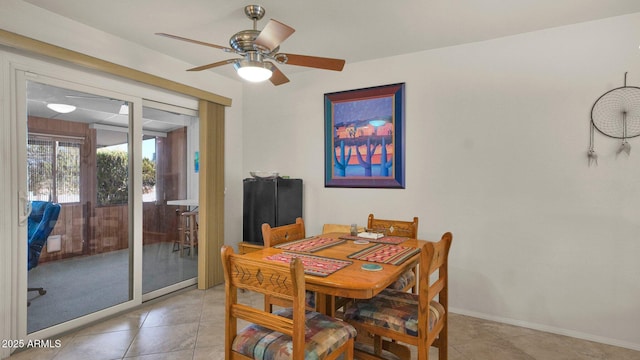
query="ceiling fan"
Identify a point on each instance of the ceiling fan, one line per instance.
(257, 47)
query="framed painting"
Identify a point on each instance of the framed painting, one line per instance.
(364, 137)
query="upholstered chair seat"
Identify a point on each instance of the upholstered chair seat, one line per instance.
(393, 309)
(323, 336)
(406, 280)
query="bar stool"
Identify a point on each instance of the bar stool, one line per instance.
(187, 232)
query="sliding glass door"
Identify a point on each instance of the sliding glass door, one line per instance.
(121, 175)
(80, 258)
(94, 169)
(170, 207)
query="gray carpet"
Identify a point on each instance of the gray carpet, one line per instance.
(82, 285)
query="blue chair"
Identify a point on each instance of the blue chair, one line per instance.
(41, 222)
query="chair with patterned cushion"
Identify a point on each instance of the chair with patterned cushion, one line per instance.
(405, 318)
(280, 235)
(409, 229)
(290, 333)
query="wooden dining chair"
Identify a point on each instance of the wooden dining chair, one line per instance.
(409, 229)
(282, 234)
(291, 333)
(394, 227)
(405, 318)
(341, 228)
(276, 236)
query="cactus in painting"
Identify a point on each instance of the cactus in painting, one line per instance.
(366, 164)
(384, 164)
(341, 166)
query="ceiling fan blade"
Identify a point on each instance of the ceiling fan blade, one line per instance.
(212, 65)
(314, 62)
(273, 34)
(278, 78)
(195, 41)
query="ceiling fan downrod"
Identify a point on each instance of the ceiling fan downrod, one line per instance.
(255, 13)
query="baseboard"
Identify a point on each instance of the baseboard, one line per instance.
(547, 328)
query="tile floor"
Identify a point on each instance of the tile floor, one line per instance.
(190, 326)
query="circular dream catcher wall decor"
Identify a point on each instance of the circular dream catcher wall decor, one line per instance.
(616, 114)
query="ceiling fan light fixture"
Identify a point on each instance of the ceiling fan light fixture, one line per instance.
(253, 71)
(61, 108)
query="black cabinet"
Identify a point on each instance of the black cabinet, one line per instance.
(275, 201)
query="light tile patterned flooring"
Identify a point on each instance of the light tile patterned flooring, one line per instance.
(190, 326)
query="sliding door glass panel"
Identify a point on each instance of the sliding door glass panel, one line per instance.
(77, 158)
(170, 208)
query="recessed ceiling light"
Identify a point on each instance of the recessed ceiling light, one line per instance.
(61, 108)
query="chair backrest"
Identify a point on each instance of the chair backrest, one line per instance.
(258, 276)
(341, 228)
(282, 234)
(434, 257)
(394, 227)
(40, 223)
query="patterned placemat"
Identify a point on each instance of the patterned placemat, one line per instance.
(310, 245)
(313, 265)
(382, 240)
(385, 253)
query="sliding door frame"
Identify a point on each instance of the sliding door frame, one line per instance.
(25, 54)
(21, 77)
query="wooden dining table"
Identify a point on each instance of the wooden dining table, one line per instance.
(351, 281)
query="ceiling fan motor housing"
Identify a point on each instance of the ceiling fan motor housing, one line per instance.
(243, 41)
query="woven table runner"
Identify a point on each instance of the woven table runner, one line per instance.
(310, 245)
(385, 253)
(382, 240)
(313, 265)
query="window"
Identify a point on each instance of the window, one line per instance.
(149, 166)
(54, 169)
(112, 163)
(112, 166)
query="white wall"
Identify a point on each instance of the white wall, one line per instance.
(497, 134)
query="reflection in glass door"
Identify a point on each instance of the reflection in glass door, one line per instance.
(170, 208)
(77, 157)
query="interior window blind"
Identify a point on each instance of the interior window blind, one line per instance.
(53, 168)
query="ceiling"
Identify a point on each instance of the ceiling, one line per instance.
(354, 30)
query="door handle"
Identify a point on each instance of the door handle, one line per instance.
(26, 208)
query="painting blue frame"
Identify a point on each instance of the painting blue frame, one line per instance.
(364, 137)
